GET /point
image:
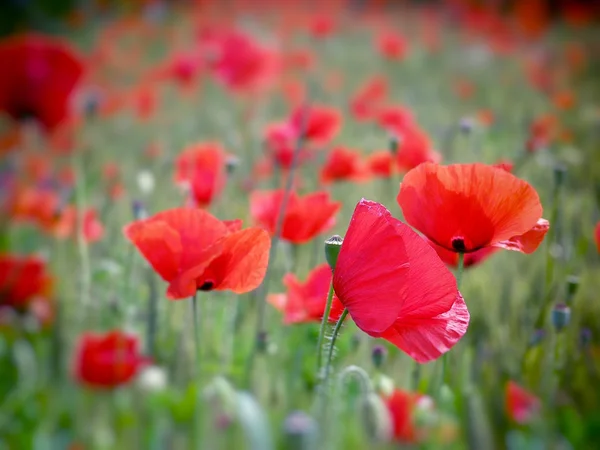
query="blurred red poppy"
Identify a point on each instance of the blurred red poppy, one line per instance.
(202, 167)
(396, 287)
(343, 164)
(395, 118)
(22, 279)
(391, 45)
(105, 361)
(414, 145)
(466, 207)
(366, 103)
(401, 406)
(321, 26)
(281, 141)
(381, 163)
(521, 405)
(317, 124)
(305, 216)
(66, 224)
(37, 78)
(305, 302)
(597, 236)
(193, 250)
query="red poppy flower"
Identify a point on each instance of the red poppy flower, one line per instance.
(504, 164)
(37, 78)
(105, 361)
(66, 225)
(414, 148)
(381, 163)
(521, 405)
(597, 236)
(193, 250)
(305, 302)
(396, 287)
(305, 216)
(320, 124)
(202, 167)
(395, 119)
(466, 207)
(402, 406)
(343, 164)
(183, 68)
(365, 104)
(145, 102)
(321, 26)
(391, 45)
(22, 279)
(281, 141)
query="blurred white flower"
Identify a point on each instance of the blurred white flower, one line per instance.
(145, 181)
(152, 378)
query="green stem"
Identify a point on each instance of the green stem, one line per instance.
(459, 271)
(334, 336)
(324, 325)
(196, 320)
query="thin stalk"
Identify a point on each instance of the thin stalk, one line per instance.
(334, 336)
(324, 325)
(152, 314)
(196, 318)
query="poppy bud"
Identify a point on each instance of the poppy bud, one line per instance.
(139, 211)
(375, 418)
(393, 144)
(378, 355)
(447, 397)
(231, 163)
(333, 245)
(300, 431)
(561, 316)
(559, 174)
(537, 337)
(466, 125)
(572, 286)
(262, 341)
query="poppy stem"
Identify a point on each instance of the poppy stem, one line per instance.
(334, 336)
(196, 320)
(324, 325)
(459, 271)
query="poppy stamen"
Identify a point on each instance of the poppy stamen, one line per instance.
(458, 244)
(207, 286)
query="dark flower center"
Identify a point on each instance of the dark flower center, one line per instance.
(458, 244)
(207, 285)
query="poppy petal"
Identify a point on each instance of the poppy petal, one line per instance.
(479, 204)
(427, 339)
(243, 263)
(371, 268)
(160, 245)
(527, 242)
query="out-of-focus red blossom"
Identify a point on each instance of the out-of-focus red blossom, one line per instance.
(299, 59)
(401, 406)
(305, 217)
(382, 163)
(521, 405)
(367, 101)
(532, 17)
(241, 63)
(395, 118)
(391, 45)
(414, 148)
(39, 206)
(395, 287)
(564, 100)
(183, 68)
(202, 167)
(463, 88)
(294, 91)
(316, 123)
(193, 250)
(10, 140)
(321, 26)
(106, 361)
(145, 102)
(67, 224)
(542, 132)
(281, 140)
(504, 164)
(25, 286)
(485, 117)
(305, 302)
(597, 236)
(467, 207)
(579, 14)
(343, 164)
(37, 168)
(37, 79)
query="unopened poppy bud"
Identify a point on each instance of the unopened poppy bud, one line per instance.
(301, 431)
(561, 316)
(537, 337)
(139, 211)
(355, 341)
(378, 355)
(333, 245)
(375, 418)
(262, 341)
(393, 143)
(572, 286)
(231, 163)
(447, 398)
(560, 172)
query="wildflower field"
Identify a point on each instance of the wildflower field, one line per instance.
(300, 225)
